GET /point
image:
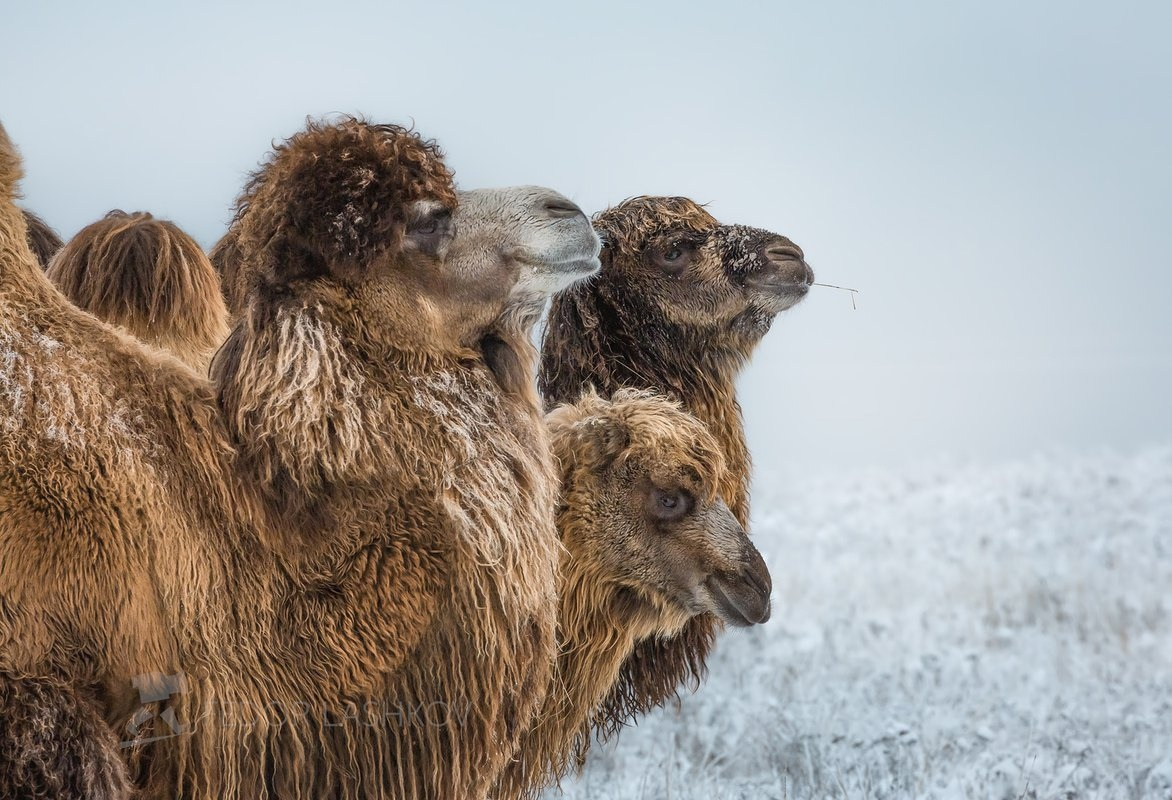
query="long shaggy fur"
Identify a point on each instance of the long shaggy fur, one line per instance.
(149, 277)
(42, 239)
(54, 745)
(387, 632)
(112, 484)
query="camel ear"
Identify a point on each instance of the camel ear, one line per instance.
(336, 216)
(329, 202)
(587, 434)
(607, 437)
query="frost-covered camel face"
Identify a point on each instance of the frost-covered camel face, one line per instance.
(701, 275)
(541, 231)
(641, 507)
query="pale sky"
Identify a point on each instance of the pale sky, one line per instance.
(996, 178)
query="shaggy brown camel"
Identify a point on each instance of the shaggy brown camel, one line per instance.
(42, 239)
(347, 544)
(150, 277)
(650, 544)
(679, 305)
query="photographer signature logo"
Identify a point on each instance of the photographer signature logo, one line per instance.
(155, 687)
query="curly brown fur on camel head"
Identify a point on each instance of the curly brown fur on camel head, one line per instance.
(679, 305)
(148, 276)
(42, 239)
(649, 544)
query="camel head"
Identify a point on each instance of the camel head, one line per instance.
(358, 218)
(719, 282)
(641, 513)
(544, 232)
(553, 244)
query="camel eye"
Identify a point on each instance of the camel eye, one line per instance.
(428, 232)
(667, 505)
(674, 256)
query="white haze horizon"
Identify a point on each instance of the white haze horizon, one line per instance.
(996, 180)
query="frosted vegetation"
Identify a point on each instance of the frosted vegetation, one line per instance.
(944, 632)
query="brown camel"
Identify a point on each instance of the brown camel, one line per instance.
(346, 543)
(679, 305)
(650, 544)
(151, 278)
(42, 239)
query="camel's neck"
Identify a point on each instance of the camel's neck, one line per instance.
(598, 627)
(614, 342)
(306, 407)
(510, 356)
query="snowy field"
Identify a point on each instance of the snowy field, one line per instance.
(946, 632)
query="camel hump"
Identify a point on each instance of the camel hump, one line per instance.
(10, 169)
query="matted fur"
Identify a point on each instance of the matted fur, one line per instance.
(638, 326)
(54, 745)
(389, 632)
(42, 239)
(148, 276)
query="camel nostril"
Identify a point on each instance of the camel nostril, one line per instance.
(757, 583)
(562, 208)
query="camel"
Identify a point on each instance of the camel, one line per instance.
(649, 544)
(150, 277)
(42, 239)
(336, 560)
(679, 305)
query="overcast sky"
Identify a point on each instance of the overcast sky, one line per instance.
(995, 177)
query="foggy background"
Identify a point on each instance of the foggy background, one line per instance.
(996, 178)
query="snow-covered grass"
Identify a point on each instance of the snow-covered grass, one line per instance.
(944, 632)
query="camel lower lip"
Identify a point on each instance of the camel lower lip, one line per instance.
(781, 288)
(732, 611)
(579, 267)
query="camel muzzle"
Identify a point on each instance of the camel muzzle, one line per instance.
(742, 598)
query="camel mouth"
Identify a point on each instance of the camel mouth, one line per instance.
(579, 268)
(788, 278)
(550, 277)
(779, 288)
(741, 600)
(772, 293)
